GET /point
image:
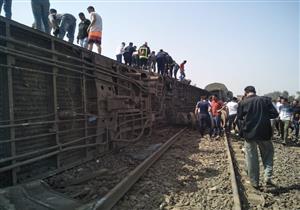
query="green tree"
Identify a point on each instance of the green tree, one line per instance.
(274, 95)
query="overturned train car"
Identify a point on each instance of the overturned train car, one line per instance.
(61, 105)
(220, 90)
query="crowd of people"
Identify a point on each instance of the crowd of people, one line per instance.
(144, 58)
(253, 118)
(90, 33)
(287, 124)
(63, 24)
(216, 116)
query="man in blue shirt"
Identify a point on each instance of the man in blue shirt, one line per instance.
(202, 113)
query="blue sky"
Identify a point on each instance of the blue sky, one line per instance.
(237, 43)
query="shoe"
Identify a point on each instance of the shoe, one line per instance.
(255, 186)
(270, 187)
(269, 183)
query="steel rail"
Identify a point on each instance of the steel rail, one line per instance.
(40, 72)
(235, 191)
(40, 123)
(60, 146)
(50, 63)
(114, 195)
(45, 134)
(147, 124)
(29, 118)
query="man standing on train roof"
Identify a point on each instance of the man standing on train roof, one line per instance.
(175, 69)
(152, 61)
(82, 37)
(40, 10)
(169, 65)
(144, 52)
(128, 51)
(256, 112)
(62, 24)
(120, 51)
(7, 7)
(161, 61)
(182, 73)
(94, 30)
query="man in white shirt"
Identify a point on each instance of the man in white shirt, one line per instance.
(285, 115)
(94, 30)
(232, 107)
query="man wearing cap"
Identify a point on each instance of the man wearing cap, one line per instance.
(256, 112)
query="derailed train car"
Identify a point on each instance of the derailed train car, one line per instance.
(60, 105)
(219, 90)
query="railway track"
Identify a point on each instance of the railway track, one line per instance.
(97, 184)
(283, 195)
(193, 174)
(191, 162)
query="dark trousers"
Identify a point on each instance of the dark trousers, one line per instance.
(161, 68)
(143, 62)
(231, 124)
(40, 10)
(171, 72)
(119, 58)
(175, 73)
(296, 127)
(204, 124)
(127, 59)
(278, 126)
(217, 125)
(284, 127)
(7, 7)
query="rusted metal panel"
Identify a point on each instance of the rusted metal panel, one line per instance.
(70, 104)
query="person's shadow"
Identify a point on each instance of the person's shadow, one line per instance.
(277, 190)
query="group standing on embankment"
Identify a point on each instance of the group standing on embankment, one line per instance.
(254, 118)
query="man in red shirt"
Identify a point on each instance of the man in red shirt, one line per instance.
(181, 67)
(216, 107)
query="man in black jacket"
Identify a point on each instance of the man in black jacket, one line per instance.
(128, 51)
(82, 37)
(256, 113)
